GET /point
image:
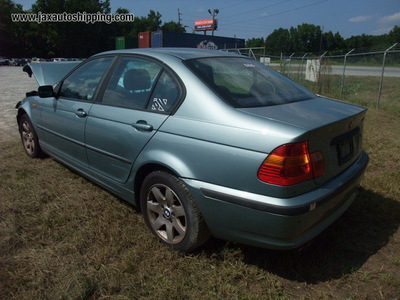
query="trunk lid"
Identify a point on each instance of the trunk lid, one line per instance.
(334, 128)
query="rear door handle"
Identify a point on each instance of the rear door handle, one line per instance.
(81, 113)
(142, 126)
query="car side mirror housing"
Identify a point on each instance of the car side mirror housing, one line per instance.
(46, 91)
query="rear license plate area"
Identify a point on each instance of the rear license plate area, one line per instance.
(345, 146)
(345, 150)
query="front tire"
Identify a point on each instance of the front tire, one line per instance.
(171, 213)
(29, 138)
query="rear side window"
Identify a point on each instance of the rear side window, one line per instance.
(246, 83)
(131, 84)
(83, 82)
(166, 94)
(138, 83)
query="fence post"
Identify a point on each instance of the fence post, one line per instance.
(264, 54)
(319, 73)
(290, 60)
(301, 68)
(383, 72)
(344, 72)
(252, 53)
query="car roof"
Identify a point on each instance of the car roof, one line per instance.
(182, 53)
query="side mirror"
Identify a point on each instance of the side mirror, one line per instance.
(46, 91)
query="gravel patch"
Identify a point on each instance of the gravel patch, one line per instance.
(14, 83)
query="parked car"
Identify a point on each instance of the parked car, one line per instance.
(13, 62)
(59, 59)
(17, 62)
(4, 61)
(204, 142)
(37, 60)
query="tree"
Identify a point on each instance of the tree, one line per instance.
(360, 42)
(306, 38)
(73, 39)
(278, 41)
(150, 23)
(173, 26)
(394, 35)
(11, 41)
(122, 28)
(255, 42)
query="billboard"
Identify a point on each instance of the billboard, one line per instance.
(207, 24)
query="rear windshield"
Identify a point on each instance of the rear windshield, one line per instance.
(244, 82)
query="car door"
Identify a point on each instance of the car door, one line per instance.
(64, 117)
(139, 97)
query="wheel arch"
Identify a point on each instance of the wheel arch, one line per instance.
(20, 113)
(158, 159)
(143, 172)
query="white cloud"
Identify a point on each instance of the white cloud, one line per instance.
(391, 19)
(264, 14)
(360, 19)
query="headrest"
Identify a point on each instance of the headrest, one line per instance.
(137, 79)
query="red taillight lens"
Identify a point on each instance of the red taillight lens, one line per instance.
(291, 164)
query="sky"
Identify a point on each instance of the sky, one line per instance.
(259, 18)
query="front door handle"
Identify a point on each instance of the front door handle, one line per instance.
(142, 126)
(81, 113)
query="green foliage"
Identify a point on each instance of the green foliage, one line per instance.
(11, 43)
(150, 23)
(173, 26)
(279, 41)
(308, 38)
(255, 42)
(73, 39)
(25, 39)
(394, 35)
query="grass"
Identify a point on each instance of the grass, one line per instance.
(363, 90)
(63, 237)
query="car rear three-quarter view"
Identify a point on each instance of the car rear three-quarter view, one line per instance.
(205, 142)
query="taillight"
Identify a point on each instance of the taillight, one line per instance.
(291, 164)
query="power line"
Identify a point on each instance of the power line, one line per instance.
(279, 13)
(245, 12)
(250, 11)
(239, 3)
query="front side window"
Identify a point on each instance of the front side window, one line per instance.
(83, 82)
(245, 83)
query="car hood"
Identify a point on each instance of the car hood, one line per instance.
(49, 73)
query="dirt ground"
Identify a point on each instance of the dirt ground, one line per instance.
(14, 83)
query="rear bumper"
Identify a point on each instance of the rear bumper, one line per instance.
(279, 223)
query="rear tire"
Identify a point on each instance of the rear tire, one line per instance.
(171, 213)
(29, 138)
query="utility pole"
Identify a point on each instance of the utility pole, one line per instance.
(214, 13)
(179, 17)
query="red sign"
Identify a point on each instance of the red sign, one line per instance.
(207, 24)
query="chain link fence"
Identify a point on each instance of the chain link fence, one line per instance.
(368, 78)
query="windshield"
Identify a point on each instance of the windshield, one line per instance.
(244, 82)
